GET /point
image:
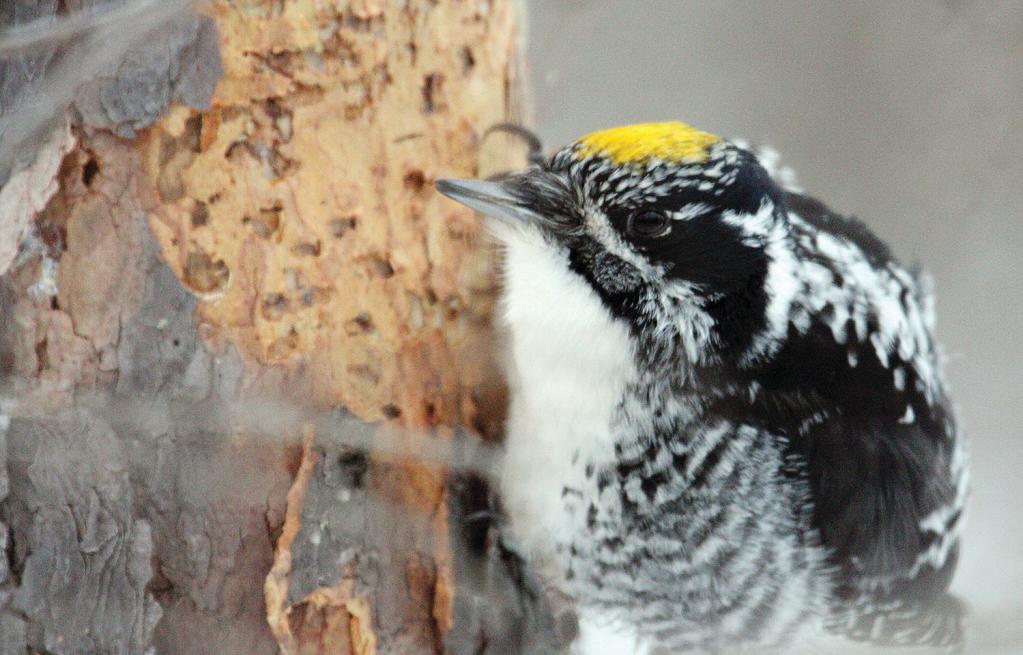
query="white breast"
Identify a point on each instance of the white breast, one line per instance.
(570, 362)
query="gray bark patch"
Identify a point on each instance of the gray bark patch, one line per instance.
(83, 557)
(119, 77)
(183, 64)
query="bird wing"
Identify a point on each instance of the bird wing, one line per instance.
(858, 395)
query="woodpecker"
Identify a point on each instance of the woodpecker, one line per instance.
(728, 421)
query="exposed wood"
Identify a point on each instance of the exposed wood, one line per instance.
(300, 211)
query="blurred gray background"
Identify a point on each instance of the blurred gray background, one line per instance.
(905, 114)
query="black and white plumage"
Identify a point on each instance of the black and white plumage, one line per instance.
(728, 420)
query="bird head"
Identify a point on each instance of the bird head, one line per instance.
(674, 229)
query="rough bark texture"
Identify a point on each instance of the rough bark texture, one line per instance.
(275, 236)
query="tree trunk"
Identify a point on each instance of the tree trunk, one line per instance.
(205, 319)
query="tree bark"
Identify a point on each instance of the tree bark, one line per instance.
(202, 318)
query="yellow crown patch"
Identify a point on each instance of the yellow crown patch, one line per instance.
(637, 144)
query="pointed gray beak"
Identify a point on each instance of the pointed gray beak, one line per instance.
(491, 199)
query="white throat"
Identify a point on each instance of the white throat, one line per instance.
(569, 365)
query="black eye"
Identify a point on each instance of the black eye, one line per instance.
(648, 223)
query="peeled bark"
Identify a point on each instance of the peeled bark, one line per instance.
(276, 247)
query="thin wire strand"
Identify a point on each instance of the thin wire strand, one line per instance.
(274, 421)
(50, 29)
